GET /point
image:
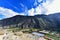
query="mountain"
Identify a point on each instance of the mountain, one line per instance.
(47, 22)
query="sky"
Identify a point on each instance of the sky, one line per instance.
(10, 8)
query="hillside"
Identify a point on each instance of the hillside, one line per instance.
(47, 22)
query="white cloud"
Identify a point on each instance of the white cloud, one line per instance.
(31, 12)
(50, 7)
(54, 7)
(36, 11)
(8, 12)
(39, 9)
(39, 0)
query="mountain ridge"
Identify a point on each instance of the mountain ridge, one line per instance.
(47, 22)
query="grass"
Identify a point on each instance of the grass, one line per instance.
(26, 30)
(29, 30)
(14, 29)
(52, 36)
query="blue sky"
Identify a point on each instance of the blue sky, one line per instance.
(15, 5)
(9, 8)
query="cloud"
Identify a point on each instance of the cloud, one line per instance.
(47, 7)
(8, 12)
(31, 12)
(54, 7)
(40, 9)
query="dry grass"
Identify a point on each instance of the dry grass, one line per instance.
(41, 38)
(1, 32)
(18, 33)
